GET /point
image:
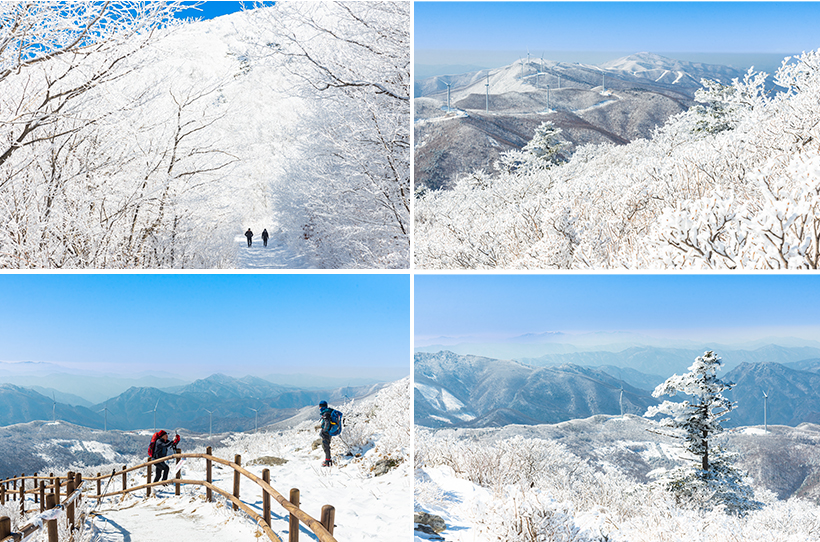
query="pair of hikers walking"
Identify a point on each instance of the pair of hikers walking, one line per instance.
(265, 237)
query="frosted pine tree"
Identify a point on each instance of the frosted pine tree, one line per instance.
(710, 481)
(541, 152)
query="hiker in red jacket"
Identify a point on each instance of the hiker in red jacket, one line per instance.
(161, 448)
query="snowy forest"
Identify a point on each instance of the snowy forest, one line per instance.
(132, 139)
(732, 183)
(582, 485)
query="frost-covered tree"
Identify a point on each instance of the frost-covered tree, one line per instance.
(105, 161)
(344, 191)
(713, 480)
(541, 152)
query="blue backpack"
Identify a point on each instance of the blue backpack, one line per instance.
(335, 423)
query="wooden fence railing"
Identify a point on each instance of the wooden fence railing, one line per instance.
(323, 529)
(50, 507)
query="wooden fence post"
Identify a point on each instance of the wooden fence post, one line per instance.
(23, 493)
(5, 527)
(69, 509)
(14, 489)
(148, 489)
(42, 496)
(124, 479)
(35, 487)
(293, 521)
(78, 481)
(51, 502)
(99, 484)
(2, 494)
(208, 476)
(266, 498)
(328, 517)
(238, 460)
(176, 476)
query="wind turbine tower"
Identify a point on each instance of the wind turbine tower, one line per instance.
(621, 401)
(548, 97)
(105, 423)
(255, 420)
(155, 414)
(765, 409)
(53, 407)
(603, 81)
(448, 96)
(487, 100)
(210, 422)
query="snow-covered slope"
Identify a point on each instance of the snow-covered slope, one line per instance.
(588, 480)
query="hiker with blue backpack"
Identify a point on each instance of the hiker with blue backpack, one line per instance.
(331, 427)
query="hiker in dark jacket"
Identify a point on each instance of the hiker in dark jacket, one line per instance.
(265, 237)
(324, 432)
(162, 448)
(249, 235)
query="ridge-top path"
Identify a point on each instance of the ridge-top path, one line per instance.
(275, 256)
(156, 519)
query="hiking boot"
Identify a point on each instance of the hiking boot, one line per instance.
(327, 463)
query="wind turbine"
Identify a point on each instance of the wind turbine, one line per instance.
(255, 420)
(105, 409)
(487, 102)
(53, 408)
(155, 414)
(621, 401)
(210, 422)
(765, 409)
(548, 97)
(448, 96)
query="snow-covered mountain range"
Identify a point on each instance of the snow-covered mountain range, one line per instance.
(454, 390)
(617, 102)
(237, 404)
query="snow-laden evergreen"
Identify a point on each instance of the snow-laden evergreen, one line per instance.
(712, 481)
(370, 484)
(730, 184)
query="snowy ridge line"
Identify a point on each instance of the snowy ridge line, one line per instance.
(322, 529)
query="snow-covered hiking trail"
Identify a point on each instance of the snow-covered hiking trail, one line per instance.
(367, 508)
(275, 256)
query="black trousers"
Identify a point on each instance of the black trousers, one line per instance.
(162, 470)
(326, 445)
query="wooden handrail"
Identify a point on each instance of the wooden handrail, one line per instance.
(321, 532)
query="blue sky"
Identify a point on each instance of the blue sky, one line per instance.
(235, 324)
(734, 27)
(209, 10)
(471, 35)
(677, 306)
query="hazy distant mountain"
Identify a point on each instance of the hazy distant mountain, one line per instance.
(235, 405)
(668, 361)
(794, 396)
(811, 365)
(20, 405)
(472, 391)
(617, 102)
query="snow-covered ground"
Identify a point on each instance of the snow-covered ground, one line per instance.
(275, 256)
(370, 505)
